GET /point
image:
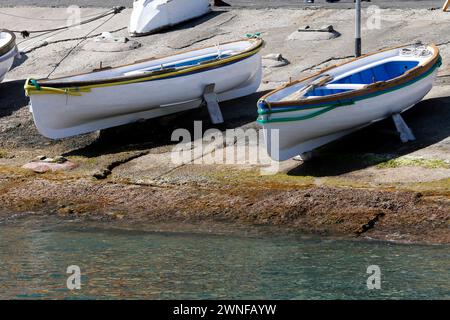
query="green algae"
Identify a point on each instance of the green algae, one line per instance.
(441, 187)
(414, 162)
(256, 179)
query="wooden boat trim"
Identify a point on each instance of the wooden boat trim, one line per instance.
(10, 44)
(325, 107)
(382, 85)
(256, 40)
(39, 86)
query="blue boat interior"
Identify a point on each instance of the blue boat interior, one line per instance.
(382, 72)
(188, 63)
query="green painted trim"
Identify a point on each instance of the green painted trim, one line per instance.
(299, 118)
(336, 103)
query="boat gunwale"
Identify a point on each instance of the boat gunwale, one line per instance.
(10, 45)
(331, 106)
(371, 88)
(257, 45)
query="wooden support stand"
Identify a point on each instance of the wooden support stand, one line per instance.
(446, 5)
(403, 129)
(212, 103)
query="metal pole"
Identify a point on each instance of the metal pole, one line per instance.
(358, 28)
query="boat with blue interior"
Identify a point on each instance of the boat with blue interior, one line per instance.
(301, 116)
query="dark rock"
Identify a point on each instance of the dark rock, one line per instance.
(101, 175)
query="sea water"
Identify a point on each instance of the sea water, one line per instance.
(117, 262)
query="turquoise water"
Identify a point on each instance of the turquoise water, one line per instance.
(118, 262)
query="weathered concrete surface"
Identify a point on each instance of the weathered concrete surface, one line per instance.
(345, 181)
(259, 4)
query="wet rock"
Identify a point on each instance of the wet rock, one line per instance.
(116, 215)
(60, 159)
(43, 164)
(103, 174)
(65, 211)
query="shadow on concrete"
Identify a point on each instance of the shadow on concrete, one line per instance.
(197, 21)
(190, 23)
(157, 132)
(19, 61)
(12, 97)
(429, 120)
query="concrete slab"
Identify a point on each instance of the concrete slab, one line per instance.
(353, 158)
(130, 168)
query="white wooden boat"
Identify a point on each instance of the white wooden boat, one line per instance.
(150, 16)
(151, 88)
(311, 112)
(8, 51)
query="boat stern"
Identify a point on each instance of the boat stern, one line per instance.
(144, 18)
(150, 16)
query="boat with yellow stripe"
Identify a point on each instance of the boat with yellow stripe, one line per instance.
(73, 105)
(306, 114)
(8, 50)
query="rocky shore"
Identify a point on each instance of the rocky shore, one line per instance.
(401, 216)
(367, 185)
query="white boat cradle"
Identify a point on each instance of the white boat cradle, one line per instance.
(338, 100)
(109, 97)
(8, 51)
(150, 16)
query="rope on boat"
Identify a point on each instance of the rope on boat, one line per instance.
(113, 11)
(256, 35)
(35, 84)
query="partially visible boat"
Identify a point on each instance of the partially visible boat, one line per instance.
(109, 97)
(303, 115)
(8, 51)
(150, 16)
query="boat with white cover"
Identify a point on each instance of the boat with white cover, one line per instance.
(109, 97)
(303, 115)
(150, 16)
(8, 51)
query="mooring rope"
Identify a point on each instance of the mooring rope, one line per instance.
(113, 11)
(44, 19)
(74, 47)
(50, 34)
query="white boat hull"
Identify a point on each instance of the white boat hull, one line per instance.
(58, 116)
(151, 16)
(295, 127)
(6, 62)
(295, 139)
